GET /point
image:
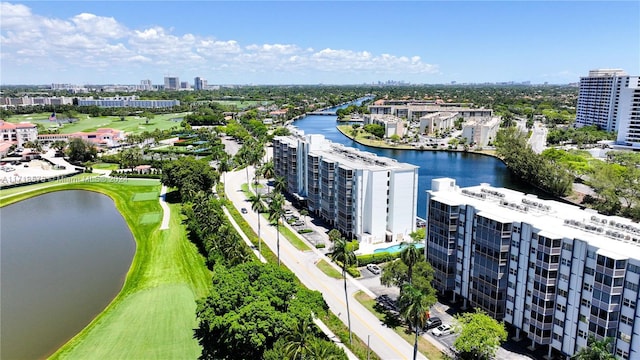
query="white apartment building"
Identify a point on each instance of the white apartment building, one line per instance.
(553, 272)
(392, 125)
(36, 100)
(481, 131)
(128, 101)
(437, 122)
(610, 99)
(414, 110)
(368, 197)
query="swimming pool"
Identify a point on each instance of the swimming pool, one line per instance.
(395, 248)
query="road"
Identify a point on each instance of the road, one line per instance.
(383, 341)
(538, 139)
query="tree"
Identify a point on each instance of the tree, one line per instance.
(395, 273)
(342, 254)
(410, 256)
(258, 206)
(280, 184)
(249, 307)
(596, 350)
(276, 212)
(414, 306)
(375, 129)
(59, 145)
(34, 145)
(334, 234)
(131, 157)
(80, 150)
(304, 213)
(189, 176)
(480, 335)
(148, 115)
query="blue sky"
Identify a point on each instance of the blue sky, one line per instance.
(308, 42)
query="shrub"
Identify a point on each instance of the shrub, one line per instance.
(304, 231)
(320, 246)
(376, 258)
(354, 272)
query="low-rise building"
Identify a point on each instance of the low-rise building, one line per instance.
(553, 272)
(17, 134)
(481, 131)
(103, 137)
(437, 122)
(392, 125)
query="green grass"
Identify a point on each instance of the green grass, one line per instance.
(328, 270)
(86, 123)
(153, 195)
(106, 166)
(424, 346)
(150, 218)
(153, 315)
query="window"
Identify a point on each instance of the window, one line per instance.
(626, 320)
(631, 286)
(628, 302)
(588, 270)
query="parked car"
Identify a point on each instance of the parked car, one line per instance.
(432, 323)
(444, 329)
(374, 268)
(243, 210)
(298, 223)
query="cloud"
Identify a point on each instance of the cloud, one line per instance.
(90, 41)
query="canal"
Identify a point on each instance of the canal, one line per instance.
(467, 169)
(64, 257)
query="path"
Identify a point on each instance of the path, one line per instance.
(166, 212)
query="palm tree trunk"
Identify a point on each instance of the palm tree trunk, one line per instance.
(415, 344)
(278, 240)
(346, 298)
(259, 238)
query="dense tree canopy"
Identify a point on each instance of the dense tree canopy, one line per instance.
(249, 307)
(189, 176)
(81, 150)
(480, 335)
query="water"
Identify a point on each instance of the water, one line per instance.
(466, 168)
(64, 256)
(395, 248)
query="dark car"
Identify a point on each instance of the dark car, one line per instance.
(432, 322)
(243, 210)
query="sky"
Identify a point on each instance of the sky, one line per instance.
(313, 42)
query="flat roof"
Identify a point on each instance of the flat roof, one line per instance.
(553, 219)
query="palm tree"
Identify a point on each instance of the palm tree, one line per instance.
(268, 171)
(276, 212)
(258, 206)
(414, 306)
(410, 256)
(341, 252)
(298, 339)
(596, 350)
(280, 184)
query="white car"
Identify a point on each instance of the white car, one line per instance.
(444, 329)
(374, 268)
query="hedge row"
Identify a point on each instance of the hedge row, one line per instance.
(376, 258)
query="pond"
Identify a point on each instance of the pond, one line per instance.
(64, 257)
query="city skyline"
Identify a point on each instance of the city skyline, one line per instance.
(338, 42)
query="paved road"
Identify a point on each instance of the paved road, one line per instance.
(166, 212)
(538, 139)
(383, 341)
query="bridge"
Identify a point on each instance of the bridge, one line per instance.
(327, 113)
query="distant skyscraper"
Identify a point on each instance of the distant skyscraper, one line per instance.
(146, 85)
(610, 99)
(184, 85)
(171, 83)
(199, 83)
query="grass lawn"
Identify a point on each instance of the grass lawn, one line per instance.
(106, 166)
(132, 124)
(153, 316)
(329, 270)
(239, 104)
(424, 346)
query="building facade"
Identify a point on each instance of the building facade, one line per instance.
(171, 83)
(553, 272)
(392, 125)
(370, 198)
(610, 99)
(17, 134)
(127, 101)
(481, 131)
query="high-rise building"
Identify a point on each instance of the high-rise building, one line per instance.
(553, 272)
(199, 83)
(171, 83)
(610, 99)
(146, 85)
(364, 196)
